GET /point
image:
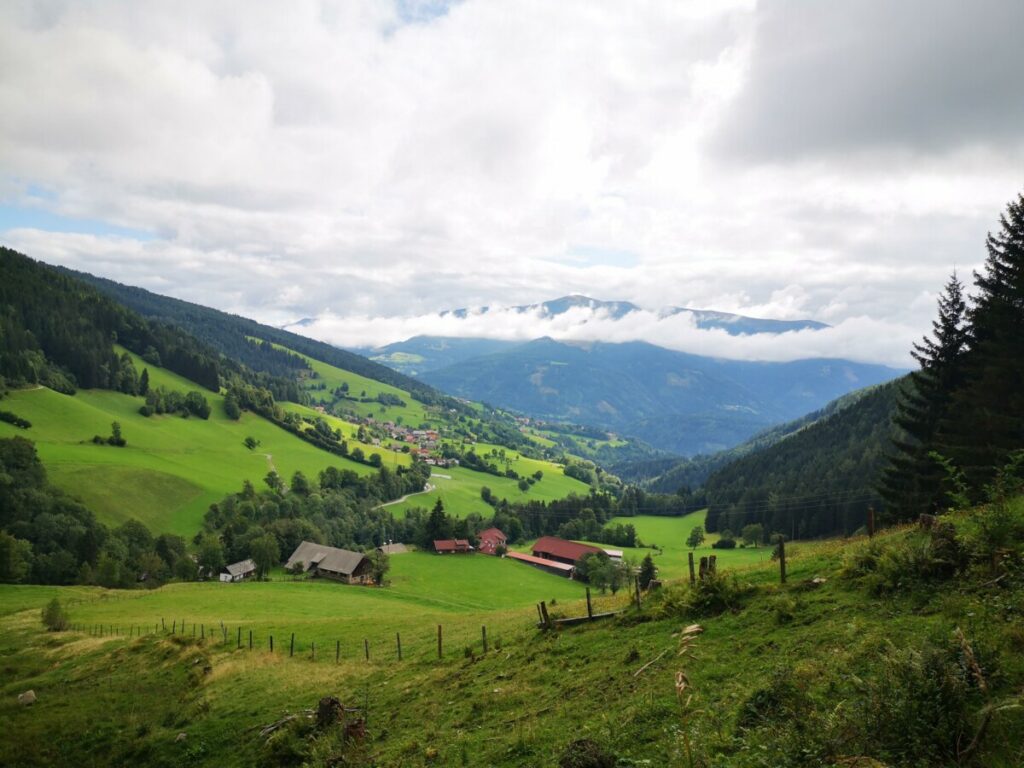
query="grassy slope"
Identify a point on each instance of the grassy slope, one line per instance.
(518, 705)
(172, 468)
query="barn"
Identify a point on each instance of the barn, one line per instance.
(551, 566)
(490, 540)
(332, 563)
(452, 546)
(240, 571)
(562, 550)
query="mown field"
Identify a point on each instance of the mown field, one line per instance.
(120, 700)
(172, 468)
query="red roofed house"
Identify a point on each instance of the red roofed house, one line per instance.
(490, 540)
(561, 550)
(452, 546)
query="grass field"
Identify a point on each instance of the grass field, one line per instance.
(172, 468)
(120, 700)
(459, 490)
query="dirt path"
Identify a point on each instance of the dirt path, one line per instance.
(270, 461)
(428, 489)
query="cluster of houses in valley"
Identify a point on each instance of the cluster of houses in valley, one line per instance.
(549, 553)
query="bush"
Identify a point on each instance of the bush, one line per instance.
(15, 419)
(713, 595)
(724, 544)
(904, 563)
(55, 619)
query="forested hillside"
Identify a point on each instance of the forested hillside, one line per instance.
(818, 481)
(231, 335)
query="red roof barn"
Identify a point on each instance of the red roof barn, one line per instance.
(450, 546)
(490, 540)
(561, 550)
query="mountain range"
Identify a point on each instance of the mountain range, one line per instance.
(678, 402)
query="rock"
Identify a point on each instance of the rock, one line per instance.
(27, 699)
(180, 737)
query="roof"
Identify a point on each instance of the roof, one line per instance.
(614, 553)
(393, 549)
(326, 558)
(453, 544)
(241, 568)
(556, 547)
(539, 561)
(491, 533)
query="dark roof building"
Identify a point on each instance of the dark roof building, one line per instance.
(340, 564)
(490, 540)
(561, 550)
(452, 546)
(239, 571)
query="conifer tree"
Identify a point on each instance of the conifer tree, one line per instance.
(911, 482)
(986, 420)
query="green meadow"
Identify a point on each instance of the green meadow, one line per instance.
(172, 468)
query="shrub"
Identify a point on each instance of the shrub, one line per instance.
(901, 564)
(15, 419)
(55, 619)
(713, 595)
(724, 544)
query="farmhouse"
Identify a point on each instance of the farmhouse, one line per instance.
(452, 546)
(332, 563)
(551, 566)
(239, 571)
(561, 550)
(490, 540)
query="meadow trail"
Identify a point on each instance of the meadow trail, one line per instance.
(426, 489)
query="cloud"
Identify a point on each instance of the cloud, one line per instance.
(858, 338)
(371, 163)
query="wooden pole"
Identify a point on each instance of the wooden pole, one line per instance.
(202, 631)
(271, 643)
(163, 624)
(439, 655)
(337, 651)
(313, 650)
(239, 638)
(174, 626)
(782, 560)
(703, 568)
(366, 648)
(291, 650)
(693, 576)
(250, 639)
(398, 643)
(590, 609)
(483, 632)
(712, 564)
(871, 521)
(636, 583)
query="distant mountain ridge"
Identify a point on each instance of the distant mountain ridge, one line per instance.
(675, 401)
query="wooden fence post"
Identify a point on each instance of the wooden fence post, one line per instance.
(291, 651)
(636, 582)
(398, 642)
(712, 564)
(271, 643)
(239, 638)
(366, 648)
(540, 616)
(163, 624)
(693, 576)
(202, 631)
(483, 632)
(782, 560)
(174, 626)
(337, 651)
(590, 609)
(871, 521)
(313, 650)
(250, 639)
(703, 568)
(439, 641)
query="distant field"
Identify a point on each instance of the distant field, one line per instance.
(172, 468)
(459, 490)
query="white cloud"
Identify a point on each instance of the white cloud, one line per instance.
(370, 164)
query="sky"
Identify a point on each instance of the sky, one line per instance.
(366, 165)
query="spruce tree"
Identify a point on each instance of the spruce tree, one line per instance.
(986, 420)
(911, 482)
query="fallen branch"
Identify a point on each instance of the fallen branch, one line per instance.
(645, 666)
(266, 730)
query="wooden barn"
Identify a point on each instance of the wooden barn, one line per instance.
(490, 540)
(239, 571)
(562, 550)
(452, 546)
(332, 563)
(551, 566)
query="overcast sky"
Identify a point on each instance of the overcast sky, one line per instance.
(355, 161)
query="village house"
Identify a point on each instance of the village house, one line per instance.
(239, 571)
(490, 540)
(452, 546)
(332, 563)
